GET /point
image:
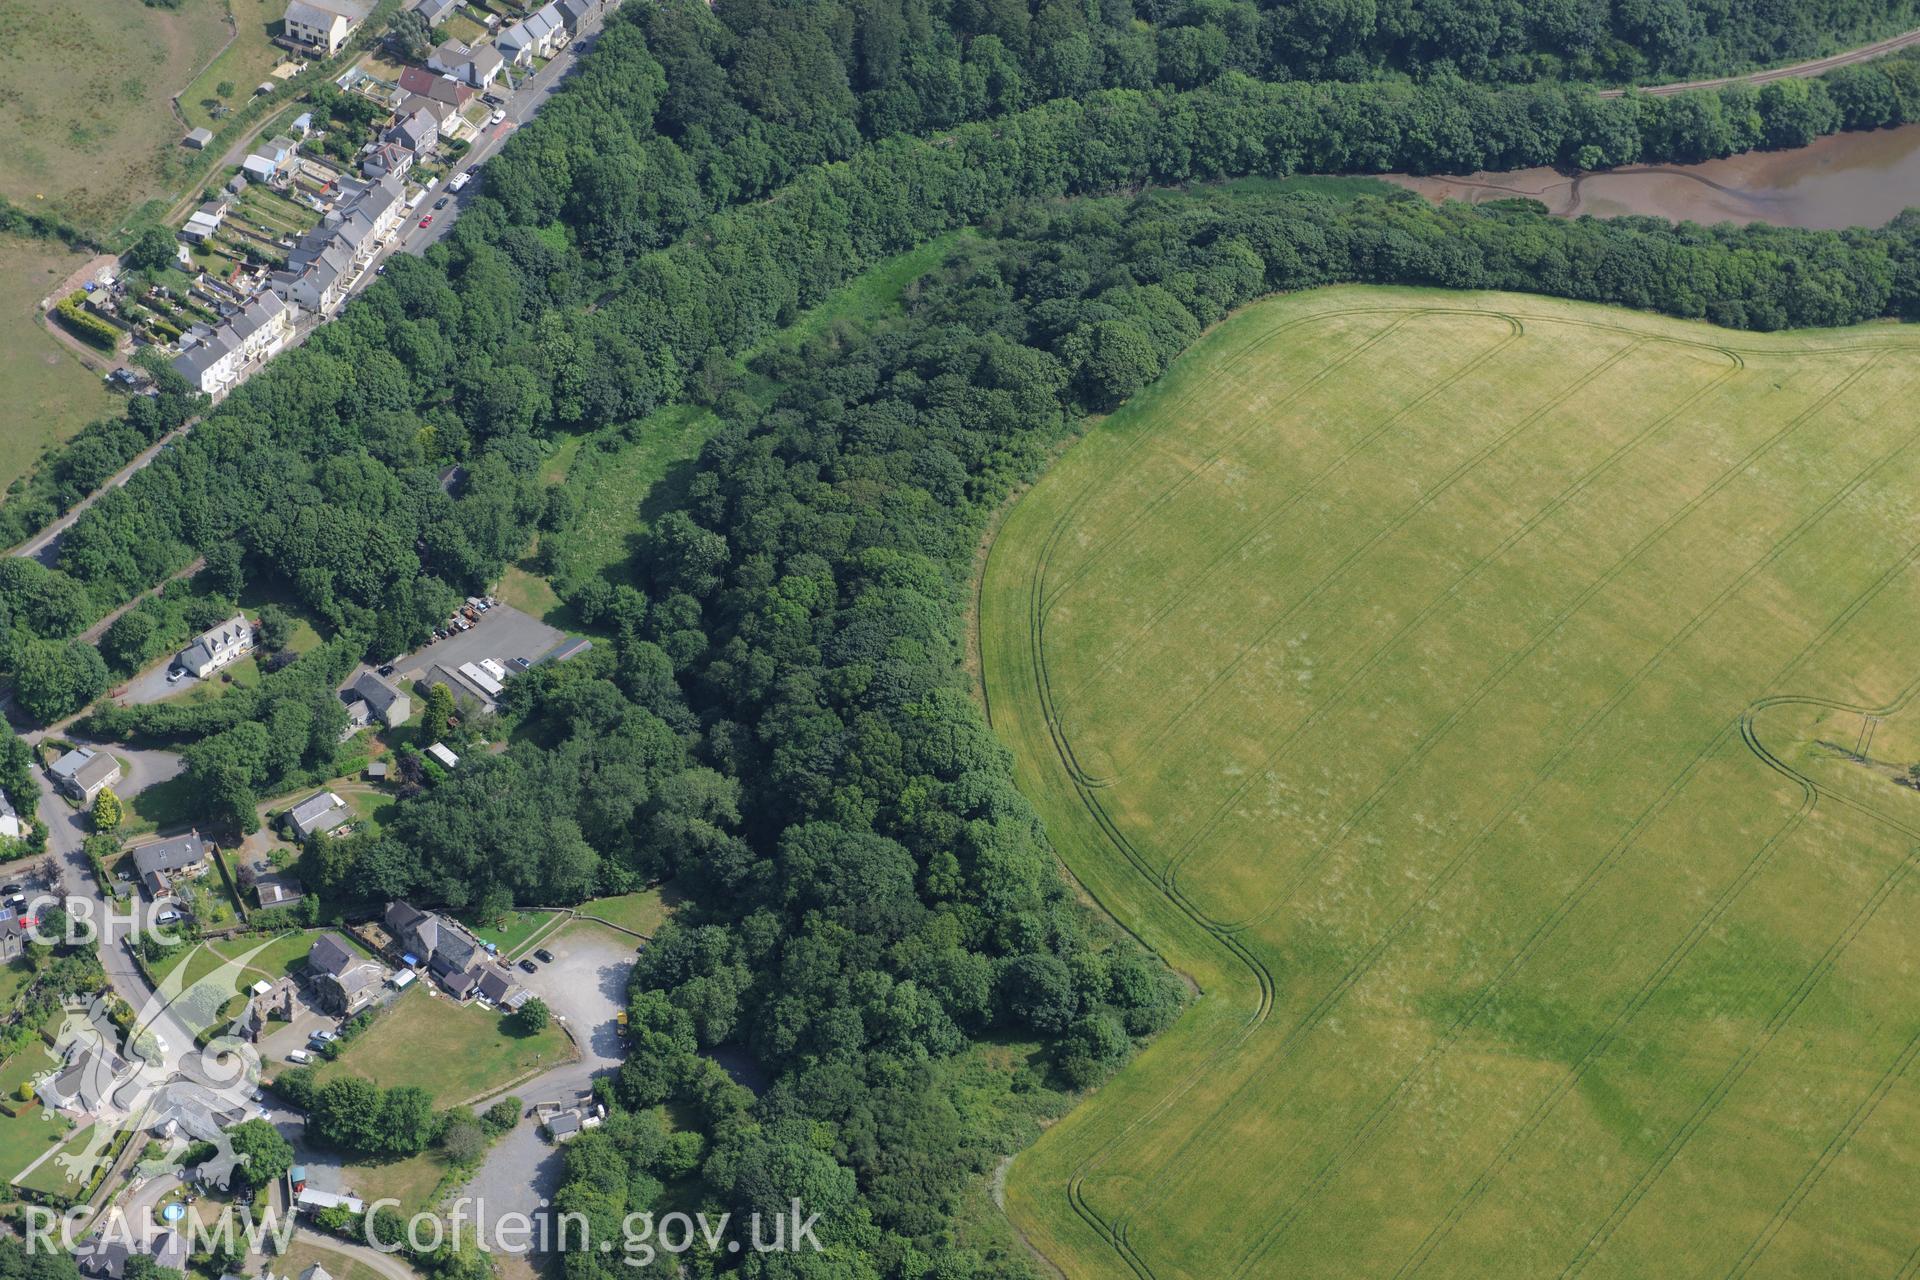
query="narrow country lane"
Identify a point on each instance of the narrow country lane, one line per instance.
(1796, 71)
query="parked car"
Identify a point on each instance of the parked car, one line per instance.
(441, 203)
(174, 674)
(299, 1057)
(427, 221)
(13, 888)
(499, 114)
(545, 956)
(519, 664)
(530, 966)
(386, 668)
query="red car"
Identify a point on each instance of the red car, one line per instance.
(424, 221)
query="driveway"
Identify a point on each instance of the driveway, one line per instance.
(586, 985)
(152, 685)
(68, 827)
(142, 767)
(288, 1036)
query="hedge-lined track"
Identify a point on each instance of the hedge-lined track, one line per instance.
(1552, 631)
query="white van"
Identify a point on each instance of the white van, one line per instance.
(299, 1057)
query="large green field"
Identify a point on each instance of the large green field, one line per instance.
(1498, 708)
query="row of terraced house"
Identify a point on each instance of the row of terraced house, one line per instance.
(321, 268)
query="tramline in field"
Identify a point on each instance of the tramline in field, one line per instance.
(1499, 707)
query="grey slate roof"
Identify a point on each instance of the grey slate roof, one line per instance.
(177, 854)
(495, 984)
(330, 956)
(193, 363)
(69, 764)
(376, 691)
(98, 771)
(322, 811)
(487, 62)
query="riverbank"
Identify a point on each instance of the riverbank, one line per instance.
(1843, 180)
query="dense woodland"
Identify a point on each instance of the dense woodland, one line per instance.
(776, 719)
(549, 311)
(781, 727)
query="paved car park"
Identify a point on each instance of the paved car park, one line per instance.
(502, 633)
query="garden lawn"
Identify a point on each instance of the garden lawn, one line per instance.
(162, 806)
(411, 1181)
(25, 1136)
(244, 674)
(52, 1177)
(518, 928)
(642, 912)
(275, 960)
(455, 1052)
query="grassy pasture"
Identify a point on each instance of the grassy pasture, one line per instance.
(85, 105)
(244, 62)
(1497, 706)
(51, 394)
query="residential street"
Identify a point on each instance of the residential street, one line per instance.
(521, 107)
(585, 986)
(67, 832)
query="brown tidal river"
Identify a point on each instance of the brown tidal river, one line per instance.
(1843, 180)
